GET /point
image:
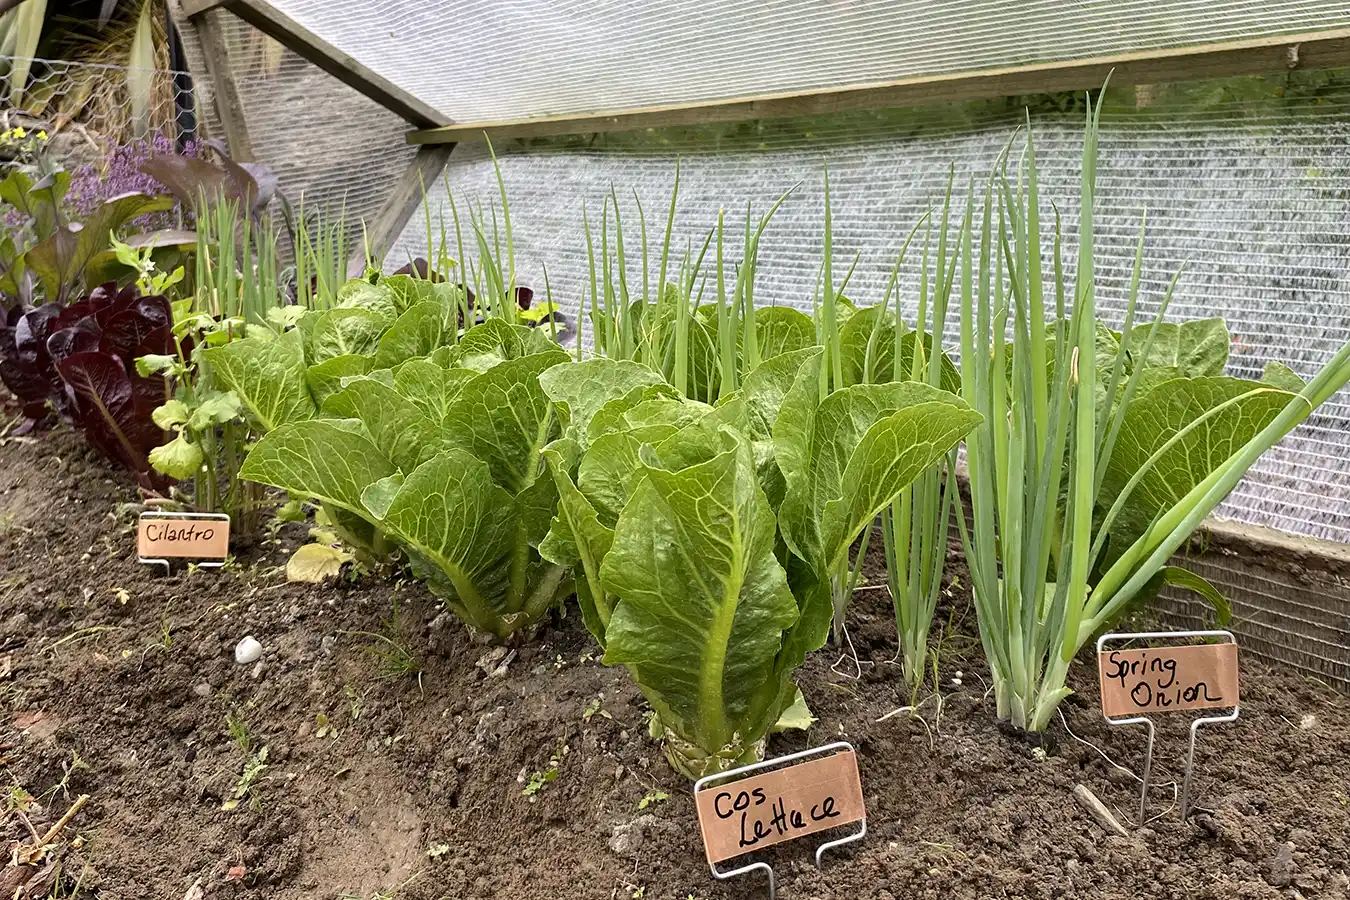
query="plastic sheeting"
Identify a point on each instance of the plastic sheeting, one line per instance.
(488, 60)
(331, 148)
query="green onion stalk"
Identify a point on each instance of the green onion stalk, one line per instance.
(916, 526)
(1036, 549)
(701, 349)
(237, 288)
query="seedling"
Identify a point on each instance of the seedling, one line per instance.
(68, 769)
(353, 702)
(547, 775)
(394, 659)
(596, 708)
(254, 767)
(653, 797)
(237, 728)
(17, 799)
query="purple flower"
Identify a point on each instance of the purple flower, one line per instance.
(119, 172)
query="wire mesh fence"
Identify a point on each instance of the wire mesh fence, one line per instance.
(331, 147)
(87, 107)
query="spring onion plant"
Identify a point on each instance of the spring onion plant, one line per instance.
(321, 254)
(237, 291)
(916, 525)
(1082, 426)
(703, 339)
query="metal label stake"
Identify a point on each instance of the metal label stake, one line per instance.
(738, 815)
(1140, 683)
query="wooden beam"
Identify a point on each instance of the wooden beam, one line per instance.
(400, 204)
(229, 108)
(1323, 49)
(294, 36)
(194, 8)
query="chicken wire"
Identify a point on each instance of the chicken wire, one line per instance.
(85, 107)
(486, 60)
(1252, 198)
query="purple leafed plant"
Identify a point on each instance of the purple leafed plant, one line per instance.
(81, 360)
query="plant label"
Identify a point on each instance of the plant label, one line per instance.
(201, 536)
(780, 805)
(1168, 679)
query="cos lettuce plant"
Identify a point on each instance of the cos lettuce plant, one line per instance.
(704, 539)
(282, 370)
(443, 461)
(1100, 453)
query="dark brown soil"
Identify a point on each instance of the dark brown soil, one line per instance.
(117, 682)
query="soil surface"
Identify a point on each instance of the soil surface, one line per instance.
(399, 752)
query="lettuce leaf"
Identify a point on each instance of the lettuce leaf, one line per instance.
(442, 463)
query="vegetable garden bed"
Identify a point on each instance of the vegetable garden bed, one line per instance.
(121, 684)
(690, 498)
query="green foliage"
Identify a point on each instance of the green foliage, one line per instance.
(443, 463)
(541, 778)
(63, 259)
(673, 539)
(1115, 448)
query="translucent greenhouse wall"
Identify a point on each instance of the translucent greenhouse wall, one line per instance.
(1251, 201)
(485, 60)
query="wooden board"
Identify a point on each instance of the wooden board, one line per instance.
(197, 7)
(229, 107)
(1324, 49)
(399, 205)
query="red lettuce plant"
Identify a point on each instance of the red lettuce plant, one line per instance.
(25, 367)
(81, 359)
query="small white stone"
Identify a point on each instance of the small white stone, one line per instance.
(247, 651)
(1308, 721)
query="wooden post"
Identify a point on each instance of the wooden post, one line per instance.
(229, 108)
(398, 208)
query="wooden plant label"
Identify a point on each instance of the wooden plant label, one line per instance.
(780, 805)
(1168, 679)
(165, 535)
